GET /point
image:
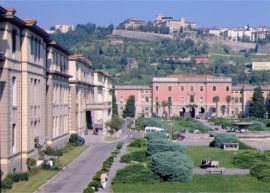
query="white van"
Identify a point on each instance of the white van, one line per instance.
(155, 129)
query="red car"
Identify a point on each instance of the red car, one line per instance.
(180, 136)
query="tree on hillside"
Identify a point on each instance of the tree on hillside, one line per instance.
(114, 105)
(257, 107)
(157, 106)
(228, 100)
(216, 100)
(130, 108)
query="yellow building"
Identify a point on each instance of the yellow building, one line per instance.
(259, 65)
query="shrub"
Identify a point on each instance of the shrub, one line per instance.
(6, 183)
(34, 171)
(119, 145)
(138, 143)
(161, 145)
(248, 158)
(107, 163)
(114, 124)
(88, 190)
(16, 177)
(74, 139)
(221, 138)
(30, 163)
(135, 173)
(172, 166)
(139, 156)
(55, 152)
(261, 171)
(155, 135)
(94, 184)
(141, 123)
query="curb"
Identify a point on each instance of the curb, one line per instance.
(39, 188)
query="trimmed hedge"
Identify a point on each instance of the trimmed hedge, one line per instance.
(261, 171)
(135, 173)
(94, 185)
(138, 143)
(161, 145)
(12, 178)
(172, 166)
(248, 158)
(139, 156)
(155, 135)
(221, 138)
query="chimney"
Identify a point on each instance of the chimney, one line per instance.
(10, 11)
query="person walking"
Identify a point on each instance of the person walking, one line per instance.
(103, 180)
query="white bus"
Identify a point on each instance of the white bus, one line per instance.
(153, 129)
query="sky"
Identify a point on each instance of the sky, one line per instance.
(218, 13)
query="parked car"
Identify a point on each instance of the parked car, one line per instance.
(81, 140)
(180, 136)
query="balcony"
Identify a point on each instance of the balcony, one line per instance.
(99, 106)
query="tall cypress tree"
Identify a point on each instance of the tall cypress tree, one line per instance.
(130, 108)
(257, 107)
(114, 105)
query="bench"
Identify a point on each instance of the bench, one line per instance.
(215, 170)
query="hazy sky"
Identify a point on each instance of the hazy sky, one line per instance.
(104, 12)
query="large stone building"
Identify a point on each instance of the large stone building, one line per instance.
(174, 26)
(260, 65)
(143, 98)
(44, 92)
(190, 95)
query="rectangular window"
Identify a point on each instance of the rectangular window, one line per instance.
(169, 88)
(146, 99)
(156, 88)
(35, 91)
(182, 88)
(39, 47)
(14, 138)
(227, 88)
(201, 88)
(36, 48)
(191, 88)
(214, 88)
(14, 42)
(170, 100)
(182, 100)
(14, 92)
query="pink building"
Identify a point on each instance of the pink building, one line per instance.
(143, 98)
(190, 95)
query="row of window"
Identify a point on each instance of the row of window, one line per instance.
(60, 94)
(134, 91)
(182, 88)
(36, 91)
(60, 122)
(61, 60)
(36, 47)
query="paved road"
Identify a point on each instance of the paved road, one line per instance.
(228, 171)
(75, 178)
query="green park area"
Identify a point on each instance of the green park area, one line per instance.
(172, 125)
(147, 169)
(39, 176)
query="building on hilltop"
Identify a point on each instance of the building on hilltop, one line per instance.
(132, 23)
(260, 65)
(174, 26)
(64, 28)
(143, 98)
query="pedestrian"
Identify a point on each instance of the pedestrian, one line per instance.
(103, 180)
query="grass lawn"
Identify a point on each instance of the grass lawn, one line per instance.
(199, 153)
(200, 183)
(184, 124)
(44, 175)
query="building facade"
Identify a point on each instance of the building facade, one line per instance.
(190, 95)
(44, 92)
(260, 65)
(57, 95)
(143, 99)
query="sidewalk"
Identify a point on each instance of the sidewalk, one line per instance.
(115, 166)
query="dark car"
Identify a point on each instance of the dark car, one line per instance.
(81, 140)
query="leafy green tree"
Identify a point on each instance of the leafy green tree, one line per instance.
(169, 104)
(114, 124)
(157, 106)
(257, 107)
(228, 100)
(216, 100)
(114, 105)
(130, 108)
(223, 109)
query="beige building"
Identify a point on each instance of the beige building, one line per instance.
(45, 94)
(260, 65)
(57, 98)
(175, 26)
(81, 92)
(23, 82)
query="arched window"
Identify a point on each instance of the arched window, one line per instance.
(192, 99)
